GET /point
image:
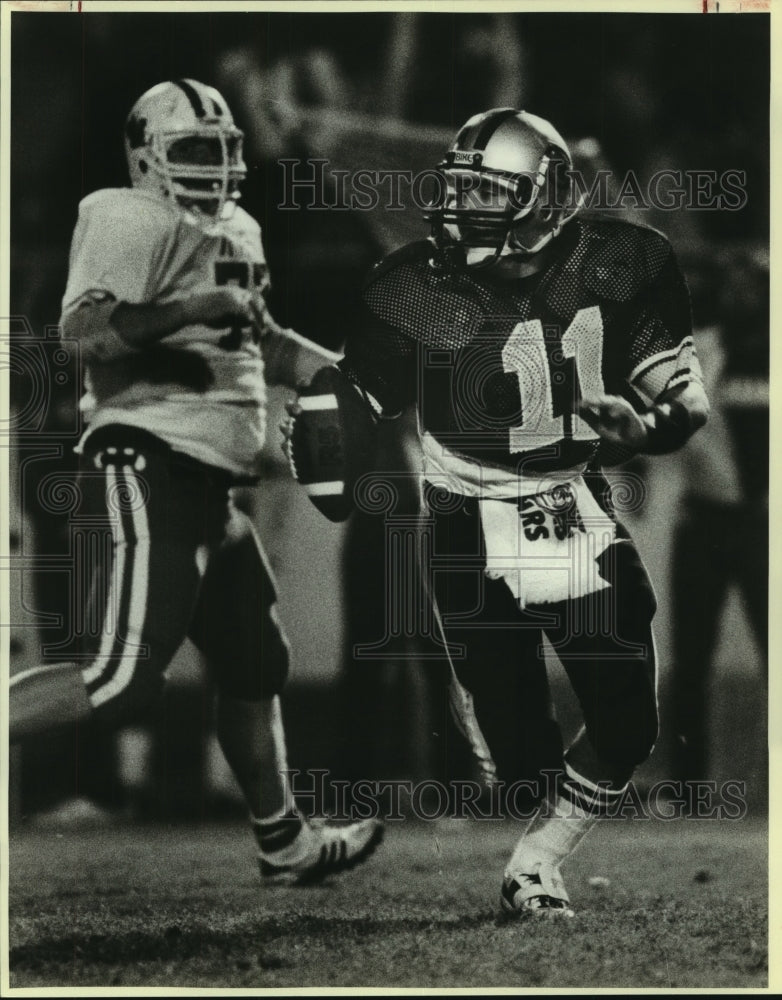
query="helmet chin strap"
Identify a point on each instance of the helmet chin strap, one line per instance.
(509, 250)
(456, 255)
(513, 248)
(489, 257)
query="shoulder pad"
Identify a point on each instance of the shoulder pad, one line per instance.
(127, 207)
(411, 253)
(622, 258)
(245, 230)
(435, 307)
(244, 223)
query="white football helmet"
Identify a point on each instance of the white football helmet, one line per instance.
(506, 189)
(181, 143)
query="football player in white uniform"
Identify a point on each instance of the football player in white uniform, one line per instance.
(535, 344)
(165, 295)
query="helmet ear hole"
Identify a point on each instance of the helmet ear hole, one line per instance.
(522, 192)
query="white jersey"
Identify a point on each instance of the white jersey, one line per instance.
(200, 389)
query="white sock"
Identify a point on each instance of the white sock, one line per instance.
(554, 833)
(558, 827)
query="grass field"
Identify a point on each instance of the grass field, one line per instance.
(174, 906)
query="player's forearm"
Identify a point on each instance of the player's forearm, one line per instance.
(674, 418)
(140, 325)
(290, 359)
(110, 330)
(664, 427)
(387, 377)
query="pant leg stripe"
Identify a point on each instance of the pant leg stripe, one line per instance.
(116, 616)
(137, 609)
(463, 713)
(112, 625)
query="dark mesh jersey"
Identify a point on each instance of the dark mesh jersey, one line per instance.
(497, 368)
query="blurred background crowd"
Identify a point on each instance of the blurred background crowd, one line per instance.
(370, 91)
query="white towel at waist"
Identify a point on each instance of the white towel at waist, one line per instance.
(546, 545)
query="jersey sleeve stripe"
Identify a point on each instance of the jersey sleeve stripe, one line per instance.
(681, 373)
(647, 364)
(682, 379)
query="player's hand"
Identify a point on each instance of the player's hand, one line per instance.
(615, 420)
(228, 305)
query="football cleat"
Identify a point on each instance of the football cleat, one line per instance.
(539, 890)
(327, 850)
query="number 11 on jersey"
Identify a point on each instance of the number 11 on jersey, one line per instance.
(525, 356)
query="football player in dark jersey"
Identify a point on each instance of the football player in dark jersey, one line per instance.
(536, 346)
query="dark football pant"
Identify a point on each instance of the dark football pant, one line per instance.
(604, 642)
(168, 556)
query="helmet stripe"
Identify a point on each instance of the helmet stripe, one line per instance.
(192, 95)
(490, 124)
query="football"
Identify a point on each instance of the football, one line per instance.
(333, 442)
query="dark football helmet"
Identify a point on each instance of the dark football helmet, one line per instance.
(506, 188)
